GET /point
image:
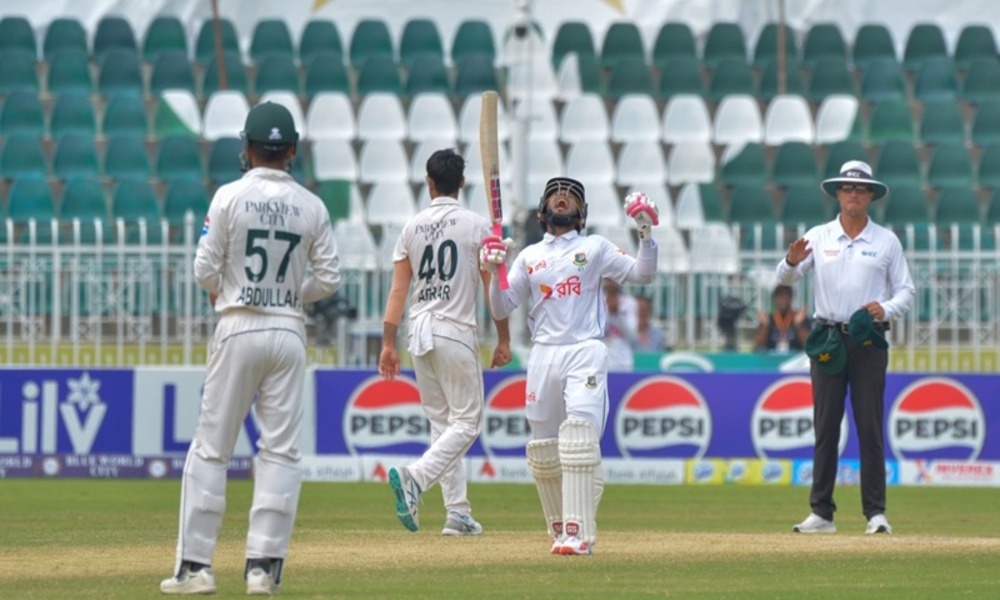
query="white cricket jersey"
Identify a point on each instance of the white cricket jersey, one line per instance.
(561, 276)
(442, 244)
(851, 273)
(260, 234)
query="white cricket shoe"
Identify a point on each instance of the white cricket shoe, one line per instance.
(187, 583)
(407, 494)
(556, 545)
(574, 546)
(459, 524)
(815, 524)
(878, 524)
(260, 583)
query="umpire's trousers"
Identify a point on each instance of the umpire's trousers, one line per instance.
(864, 376)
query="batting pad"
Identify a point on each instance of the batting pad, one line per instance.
(580, 455)
(275, 500)
(203, 502)
(543, 460)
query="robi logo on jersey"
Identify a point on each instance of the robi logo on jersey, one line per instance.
(386, 416)
(505, 428)
(936, 418)
(663, 417)
(782, 421)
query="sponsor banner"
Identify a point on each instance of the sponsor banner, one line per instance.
(848, 472)
(707, 470)
(498, 470)
(949, 472)
(758, 472)
(375, 467)
(668, 471)
(330, 468)
(108, 466)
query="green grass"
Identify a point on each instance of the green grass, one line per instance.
(115, 539)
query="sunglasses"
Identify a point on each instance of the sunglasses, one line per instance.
(854, 188)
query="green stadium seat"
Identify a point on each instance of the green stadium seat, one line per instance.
(872, 41)
(270, 37)
(320, 36)
(236, 75)
(120, 73)
(725, 41)
(420, 37)
(622, 40)
(731, 76)
(22, 114)
(132, 200)
(805, 205)
(794, 164)
(370, 39)
(941, 123)
(16, 32)
(179, 157)
(957, 204)
(768, 87)
(989, 167)
(64, 34)
(839, 153)
(185, 195)
(899, 164)
(125, 157)
(171, 71)
(326, 72)
(113, 33)
(224, 160)
(766, 49)
(925, 40)
(630, 75)
(379, 74)
(674, 40)
(176, 112)
(165, 34)
(427, 74)
(982, 81)
(30, 198)
(72, 113)
(586, 73)
(891, 119)
(906, 204)
(17, 71)
(883, 79)
(125, 115)
(680, 75)
(336, 196)
(23, 156)
(475, 74)
(993, 208)
(69, 72)
(204, 47)
(751, 208)
(276, 72)
(472, 38)
(572, 37)
(950, 165)
(986, 123)
(935, 80)
(974, 42)
(84, 199)
(830, 76)
(75, 157)
(823, 41)
(747, 167)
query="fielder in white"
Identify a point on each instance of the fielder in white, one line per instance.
(260, 234)
(440, 245)
(567, 392)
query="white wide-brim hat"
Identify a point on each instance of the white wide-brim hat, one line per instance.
(855, 171)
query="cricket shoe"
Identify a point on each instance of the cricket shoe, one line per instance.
(407, 494)
(574, 546)
(878, 524)
(556, 545)
(459, 524)
(263, 576)
(815, 524)
(188, 582)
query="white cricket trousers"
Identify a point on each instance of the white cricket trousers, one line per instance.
(250, 356)
(450, 379)
(563, 381)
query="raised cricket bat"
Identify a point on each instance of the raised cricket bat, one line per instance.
(490, 154)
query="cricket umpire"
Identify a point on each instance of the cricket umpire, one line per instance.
(861, 282)
(261, 233)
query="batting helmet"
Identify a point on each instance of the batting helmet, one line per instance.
(554, 186)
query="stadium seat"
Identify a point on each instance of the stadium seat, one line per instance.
(69, 72)
(590, 161)
(871, 41)
(64, 33)
(390, 203)
(584, 118)
(957, 204)
(381, 116)
(724, 41)
(204, 47)
(540, 115)
(120, 73)
(113, 33)
(176, 113)
(898, 164)
(326, 72)
(16, 32)
(804, 205)
(935, 80)
(171, 71)
(276, 72)
(981, 80)
(224, 160)
(427, 75)
(737, 120)
(30, 197)
(686, 119)
(622, 40)
(572, 37)
(698, 204)
(950, 165)
(75, 157)
(342, 200)
(974, 42)
(532, 79)
(182, 196)
(420, 38)
(22, 114)
(743, 165)
(371, 38)
(379, 74)
(674, 40)
(17, 71)
(635, 117)
(475, 74)
(320, 36)
(941, 123)
(925, 40)
(768, 88)
(236, 75)
(731, 76)
(165, 34)
(270, 37)
(125, 157)
(72, 113)
(84, 199)
(383, 160)
(883, 79)
(333, 158)
(840, 152)
(906, 204)
(133, 200)
(430, 116)
(766, 49)
(22, 156)
(672, 252)
(468, 120)
(713, 249)
(225, 115)
(604, 207)
(544, 161)
(473, 37)
(989, 167)
(579, 74)
(680, 75)
(630, 75)
(828, 77)
(788, 118)
(692, 161)
(823, 41)
(891, 120)
(752, 210)
(836, 118)
(331, 116)
(356, 246)
(640, 163)
(986, 123)
(794, 164)
(289, 100)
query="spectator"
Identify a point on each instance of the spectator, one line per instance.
(784, 329)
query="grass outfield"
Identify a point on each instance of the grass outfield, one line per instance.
(115, 539)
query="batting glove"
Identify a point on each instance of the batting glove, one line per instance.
(493, 252)
(641, 208)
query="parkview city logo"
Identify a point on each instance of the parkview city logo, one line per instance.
(936, 418)
(782, 421)
(386, 416)
(663, 417)
(505, 428)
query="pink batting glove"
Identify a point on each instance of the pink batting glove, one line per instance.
(493, 252)
(640, 208)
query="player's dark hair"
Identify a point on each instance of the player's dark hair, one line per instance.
(446, 168)
(268, 153)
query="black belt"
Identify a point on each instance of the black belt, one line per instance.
(845, 327)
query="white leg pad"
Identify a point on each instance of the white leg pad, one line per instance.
(580, 455)
(275, 501)
(203, 502)
(543, 460)
(598, 493)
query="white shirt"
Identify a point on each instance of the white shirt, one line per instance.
(561, 276)
(260, 234)
(851, 273)
(442, 244)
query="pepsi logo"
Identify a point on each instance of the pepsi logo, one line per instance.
(936, 417)
(663, 416)
(386, 416)
(782, 420)
(505, 428)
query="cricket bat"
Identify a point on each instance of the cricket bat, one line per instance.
(490, 153)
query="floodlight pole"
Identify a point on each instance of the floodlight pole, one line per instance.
(220, 57)
(782, 62)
